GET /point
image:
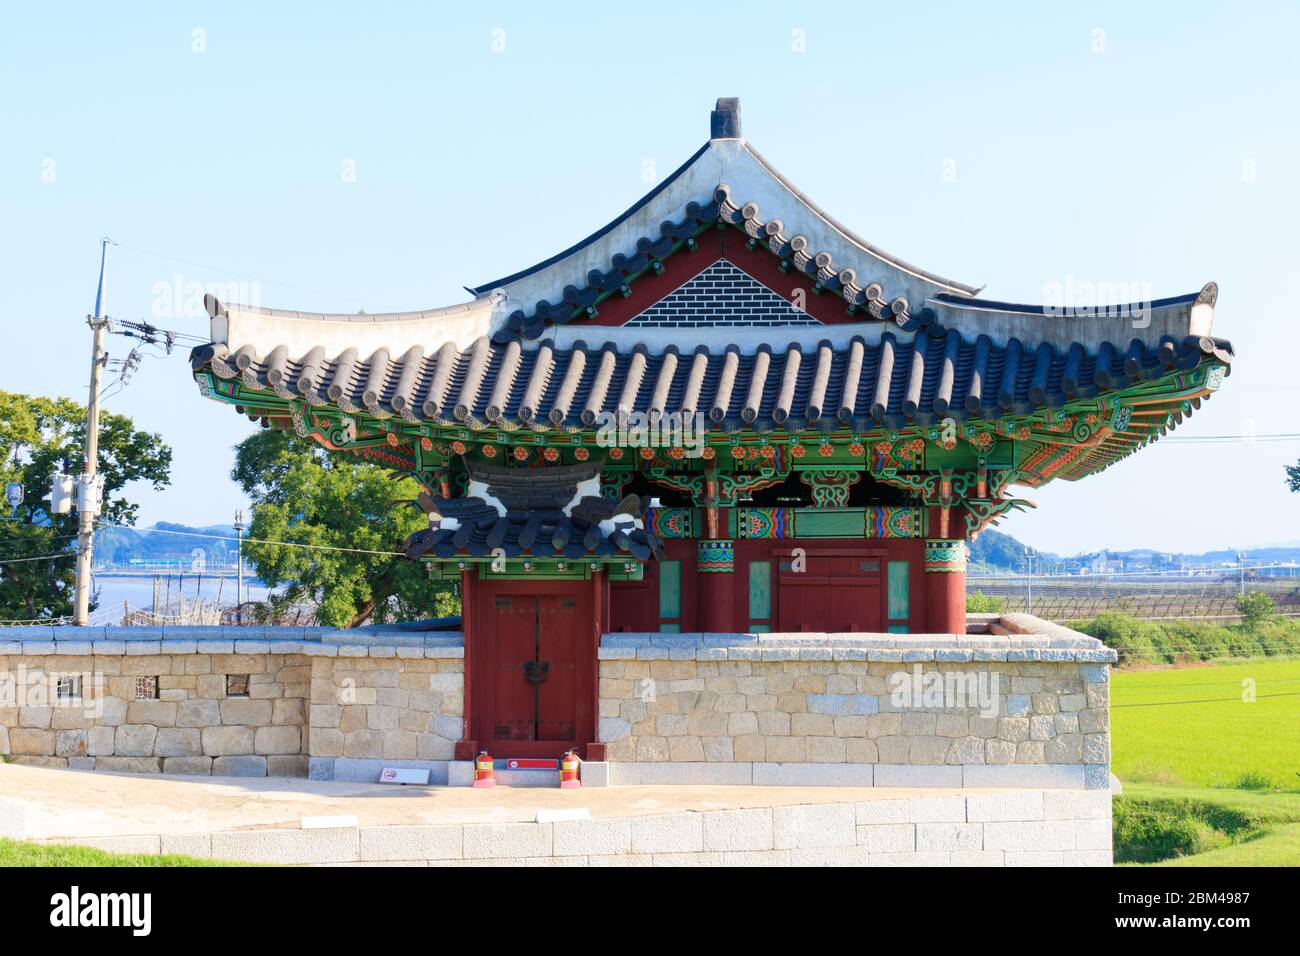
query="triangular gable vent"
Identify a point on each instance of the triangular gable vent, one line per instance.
(721, 296)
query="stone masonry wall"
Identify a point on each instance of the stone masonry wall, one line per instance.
(193, 726)
(1041, 712)
(311, 706)
(393, 709)
(835, 712)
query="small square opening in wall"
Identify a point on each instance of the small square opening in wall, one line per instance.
(236, 685)
(146, 688)
(68, 687)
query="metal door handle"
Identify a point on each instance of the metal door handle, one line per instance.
(536, 671)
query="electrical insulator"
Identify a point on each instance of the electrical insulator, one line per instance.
(61, 492)
(89, 493)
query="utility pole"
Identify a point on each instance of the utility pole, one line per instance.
(1029, 555)
(239, 567)
(88, 500)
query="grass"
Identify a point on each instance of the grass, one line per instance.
(19, 853)
(1191, 726)
(1199, 826)
(1211, 778)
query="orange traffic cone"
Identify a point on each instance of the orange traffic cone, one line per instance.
(484, 773)
(569, 765)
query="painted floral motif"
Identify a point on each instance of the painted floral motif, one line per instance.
(770, 523)
(893, 521)
(670, 522)
(521, 453)
(489, 451)
(551, 454)
(458, 447)
(581, 454)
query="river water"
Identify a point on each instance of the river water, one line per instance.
(138, 590)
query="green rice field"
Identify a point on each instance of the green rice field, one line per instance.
(1195, 726)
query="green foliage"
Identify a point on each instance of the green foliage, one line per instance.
(1149, 831)
(1293, 476)
(981, 603)
(1133, 639)
(19, 853)
(37, 436)
(1253, 780)
(1179, 642)
(1255, 608)
(1270, 835)
(304, 495)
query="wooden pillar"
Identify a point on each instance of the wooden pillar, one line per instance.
(716, 567)
(945, 585)
(467, 747)
(593, 749)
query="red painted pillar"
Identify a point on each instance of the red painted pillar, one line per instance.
(466, 747)
(945, 586)
(716, 567)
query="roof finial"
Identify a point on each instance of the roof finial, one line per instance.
(724, 121)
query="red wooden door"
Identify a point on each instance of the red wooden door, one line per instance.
(558, 700)
(833, 593)
(540, 693)
(515, 629)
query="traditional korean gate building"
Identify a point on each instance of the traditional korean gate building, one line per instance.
(723, 412)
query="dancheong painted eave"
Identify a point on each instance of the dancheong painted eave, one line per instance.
(907, 349)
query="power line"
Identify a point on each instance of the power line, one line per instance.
(40, 557)
(244, 275)
(1228, 683)
(1212, 439)
(1209, 700)
(285, 544)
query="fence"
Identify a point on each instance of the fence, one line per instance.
(1169, 596)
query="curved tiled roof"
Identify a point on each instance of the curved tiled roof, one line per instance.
(899, 380)
(861, 294)
(480, 529)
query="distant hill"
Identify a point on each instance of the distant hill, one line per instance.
(995, 552)
(164, 544)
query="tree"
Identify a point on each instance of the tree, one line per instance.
(1255, 608)
(1293, 476)
(38, 438)
(305, 495)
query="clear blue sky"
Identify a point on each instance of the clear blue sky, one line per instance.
(1166, 158)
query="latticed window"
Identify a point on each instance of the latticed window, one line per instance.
(236, 685)
(69, 687)
(146, 688)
